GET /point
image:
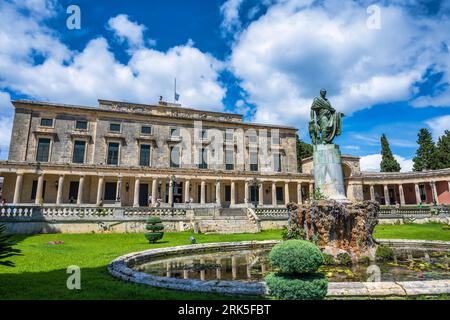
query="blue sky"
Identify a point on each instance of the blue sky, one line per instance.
(265, 59)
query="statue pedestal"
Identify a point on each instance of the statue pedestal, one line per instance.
(328, 175)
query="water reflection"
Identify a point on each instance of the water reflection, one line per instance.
(253, 265)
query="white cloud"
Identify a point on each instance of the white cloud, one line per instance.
(371, 163)
(298, 47)
(6, 121)
(438, 126)
(127, 30)
(83, 77)
(230, 16)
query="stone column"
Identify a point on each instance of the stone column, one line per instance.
(286, 193)
(59, 193)
(218, 193)
(39, 189)
(119, 191)
(187, 195)
(274, 193)
(80, 191)
(203, 192)
(386, 195)
(246, 191)
(261, 194)
(234, 267)
(100, 190)
(18, 188)
(372, 192)
(137, 186)
(417, 190)
(233, 193)
(434, 191)
(402, 194)
(311, 190)
(170, 200)
(154, 190)
(299, 193)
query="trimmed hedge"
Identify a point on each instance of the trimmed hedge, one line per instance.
(304, 287)
(154, 224)
(296, 256)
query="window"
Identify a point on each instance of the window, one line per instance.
(253, 161)
(114, 127)
(203, 158)
(229, 160)
(34, 189)
(144, 158)
(174, 132)
(113, 153)
(423, 193)
(254, 194)
(174, 157)
(79, 151)
(45, 122)
(252, 138)
(277, 162)
(73, 191)
(229, 136)
(276, 140)
(203, 134)
(146, 130)
(279, 192)
(43, 150)
(110, 191)
(81, 125)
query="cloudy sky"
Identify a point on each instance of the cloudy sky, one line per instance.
(386, 67)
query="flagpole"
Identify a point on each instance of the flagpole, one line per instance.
(175, 92)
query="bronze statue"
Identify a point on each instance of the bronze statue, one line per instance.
(325, 123)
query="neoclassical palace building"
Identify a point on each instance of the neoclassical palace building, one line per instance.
(134, 155)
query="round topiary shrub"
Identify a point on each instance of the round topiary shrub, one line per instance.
(304, 287)
(155, 226)
(296, 256)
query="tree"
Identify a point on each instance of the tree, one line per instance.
(388, 162)
(304, 150)
(425, 158)
(442, 155)
(6, 247)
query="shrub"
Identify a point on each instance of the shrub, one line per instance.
(328, 259)
(293, 232)
(384, 253)
(6, 247)
(296, 256)
(344, 259)
(304, 287)
(155, 226)
(364, 260)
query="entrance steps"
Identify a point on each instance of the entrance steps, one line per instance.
(229, 220)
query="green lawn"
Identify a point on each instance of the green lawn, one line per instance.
(40, 272)
(429, 231)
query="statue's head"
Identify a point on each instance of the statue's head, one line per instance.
(323, 93)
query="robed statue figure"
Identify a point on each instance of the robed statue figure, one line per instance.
(325, 123)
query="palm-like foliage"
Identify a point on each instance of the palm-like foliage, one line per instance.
(6, 247)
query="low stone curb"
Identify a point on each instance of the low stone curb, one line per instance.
(122, 268)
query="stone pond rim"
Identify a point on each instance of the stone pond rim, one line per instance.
(121, 268)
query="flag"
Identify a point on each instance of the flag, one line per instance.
(177, 96)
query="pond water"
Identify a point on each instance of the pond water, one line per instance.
(253, 265)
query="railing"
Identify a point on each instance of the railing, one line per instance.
(16, 212)
(141, 212)
(67, 213)
(278, 212)
(403, 211)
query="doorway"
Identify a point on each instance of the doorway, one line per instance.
(143, 195)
